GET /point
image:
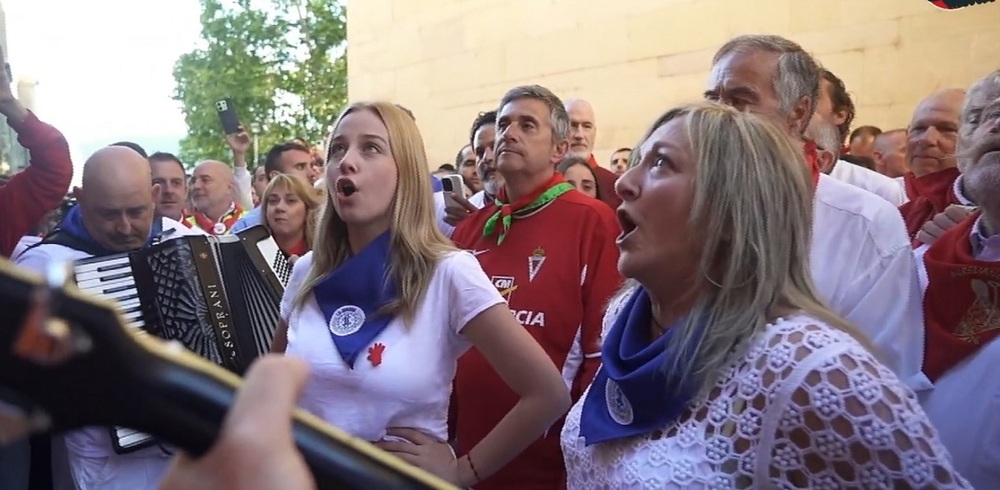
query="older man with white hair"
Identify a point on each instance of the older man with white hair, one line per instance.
(960, 278)
(583, 135)
(213, 193)
(861, 258)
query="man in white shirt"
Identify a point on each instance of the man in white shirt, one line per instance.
(827, 140)
(116, 213)
(861, 259)
(960, 278)
(834, 107)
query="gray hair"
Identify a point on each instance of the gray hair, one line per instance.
(797, 75)
(825, 134)
(558, 118)
(967, 106)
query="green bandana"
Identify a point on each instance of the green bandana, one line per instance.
(508, 212)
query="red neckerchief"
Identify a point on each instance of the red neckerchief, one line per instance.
(228, 220)
(961, 303)
(299, 249)
(845, 150)
(592, 161)
(812, 158)
(929, 195)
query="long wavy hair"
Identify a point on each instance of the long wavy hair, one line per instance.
(753, 208)
(416, 244)
(305, 193)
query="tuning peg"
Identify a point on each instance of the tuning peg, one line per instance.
(45, 337)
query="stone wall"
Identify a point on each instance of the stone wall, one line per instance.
(448, 59)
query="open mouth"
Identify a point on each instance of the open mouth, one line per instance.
(626, 223)
(346, 187)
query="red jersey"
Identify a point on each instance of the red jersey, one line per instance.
(557, 268)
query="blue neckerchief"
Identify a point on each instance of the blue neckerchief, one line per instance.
(436, 184)
(352, 294)
(72, 224)
(631, 394)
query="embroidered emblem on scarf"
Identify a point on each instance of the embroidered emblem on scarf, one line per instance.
(220, 227)
(351, 296)
(631, 394)
(961, 303)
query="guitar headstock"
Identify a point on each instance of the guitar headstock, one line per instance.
(75, 371)
(69, 359)
(958, 4)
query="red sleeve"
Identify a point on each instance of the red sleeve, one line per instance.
(39, 188)
(599, 285)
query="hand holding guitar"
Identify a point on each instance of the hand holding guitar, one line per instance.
(255, 449)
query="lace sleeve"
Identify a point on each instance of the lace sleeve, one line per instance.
(847, 422)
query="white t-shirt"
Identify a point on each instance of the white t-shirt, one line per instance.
(412, 385)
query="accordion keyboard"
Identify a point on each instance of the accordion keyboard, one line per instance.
(113, 281)
(276, 260)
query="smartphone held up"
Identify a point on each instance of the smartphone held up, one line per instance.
(227, 116)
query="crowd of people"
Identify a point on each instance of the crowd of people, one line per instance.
(757, 295)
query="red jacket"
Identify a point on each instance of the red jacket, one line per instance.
(40, 188)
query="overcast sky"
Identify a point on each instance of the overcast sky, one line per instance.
(104, 67)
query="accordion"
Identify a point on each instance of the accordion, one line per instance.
(218, 296)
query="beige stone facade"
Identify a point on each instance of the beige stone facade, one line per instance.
(448, 59)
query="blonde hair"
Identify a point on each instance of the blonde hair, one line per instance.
(753, 208)
(416, 244)
(304, 192)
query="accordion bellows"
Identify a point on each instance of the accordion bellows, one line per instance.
(217, 296)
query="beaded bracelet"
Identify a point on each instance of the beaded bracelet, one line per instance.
(468, 457)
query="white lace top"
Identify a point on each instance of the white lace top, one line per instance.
(806, 407)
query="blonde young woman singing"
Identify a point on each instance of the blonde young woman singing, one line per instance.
(385, 304)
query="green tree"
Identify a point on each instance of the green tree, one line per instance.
(282, 62)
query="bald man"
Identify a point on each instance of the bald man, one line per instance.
(826, 135)
(889, 153)
(213, 191)
(930, 155)
(116, 213)
(582, 135)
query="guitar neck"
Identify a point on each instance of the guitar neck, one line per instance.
(130, 379)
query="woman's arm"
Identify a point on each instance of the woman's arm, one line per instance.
(527, 369)
(280, 341)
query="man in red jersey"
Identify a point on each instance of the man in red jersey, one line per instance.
(550, 251)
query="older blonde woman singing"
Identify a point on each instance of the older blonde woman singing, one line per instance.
(721, 368)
